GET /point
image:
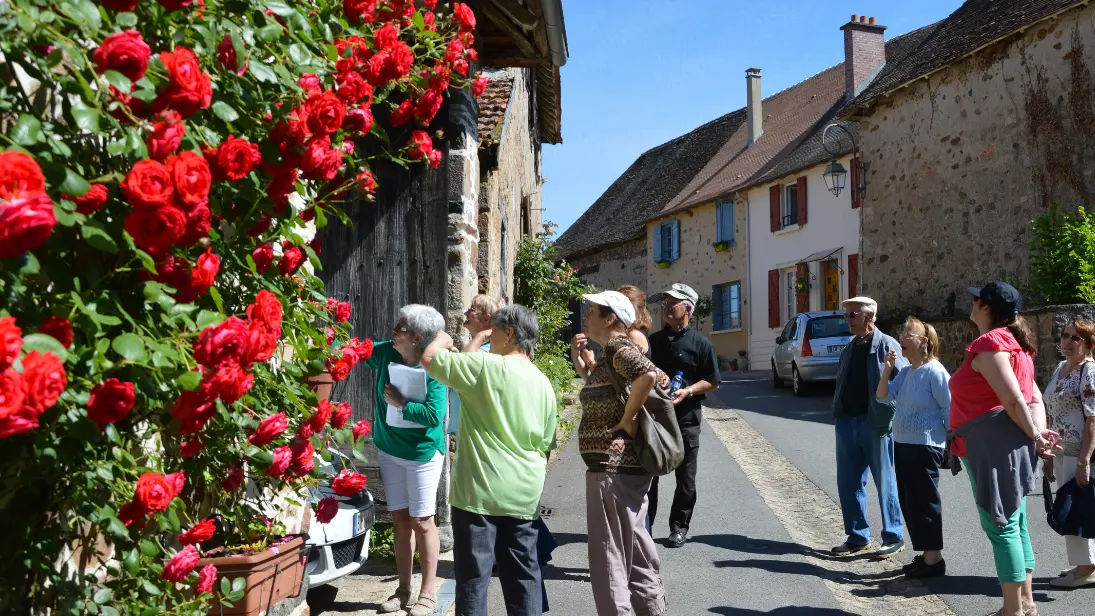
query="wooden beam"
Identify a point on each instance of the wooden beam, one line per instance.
(519, 14)
(516, 36)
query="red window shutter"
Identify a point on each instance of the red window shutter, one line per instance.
(773, 298)
(773, 211)
(802, 298)
(857, 198)
(802, 201)
(853, 275)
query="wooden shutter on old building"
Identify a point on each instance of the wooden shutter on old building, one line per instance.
(853, 275)
(773, 298)
(857, 196)
(801, 200)
(802, 284)
(773, 207)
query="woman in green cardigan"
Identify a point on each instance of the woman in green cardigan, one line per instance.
(410, 437)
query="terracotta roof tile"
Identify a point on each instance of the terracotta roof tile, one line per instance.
(492, 109)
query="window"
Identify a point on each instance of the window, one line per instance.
(789, 293)
(667, 242)
(724, 220)
(727, 306)
(505, 257)
(789, 211)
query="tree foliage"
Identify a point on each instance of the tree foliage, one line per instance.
(1063, 257)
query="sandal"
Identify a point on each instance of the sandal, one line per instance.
(398, 601)
(425, 606)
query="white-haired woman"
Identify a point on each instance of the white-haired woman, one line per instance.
(410, 437)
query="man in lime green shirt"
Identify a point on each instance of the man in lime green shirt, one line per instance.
(507, 426)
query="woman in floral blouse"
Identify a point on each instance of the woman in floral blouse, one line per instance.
(1070, 406)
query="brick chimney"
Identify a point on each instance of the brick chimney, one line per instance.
(864, 53)
(753, 111)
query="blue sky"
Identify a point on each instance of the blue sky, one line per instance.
(642, 72)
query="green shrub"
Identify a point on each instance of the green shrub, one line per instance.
(1062, 258)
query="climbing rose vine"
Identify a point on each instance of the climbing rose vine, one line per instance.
(163, 166)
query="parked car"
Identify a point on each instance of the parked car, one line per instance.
(339, 547)
(808, 349)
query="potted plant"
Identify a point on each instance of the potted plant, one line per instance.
(161, 321)
(721, 246)
(802, 283)
(664, 264)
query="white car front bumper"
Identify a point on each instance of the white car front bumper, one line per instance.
(339, 547)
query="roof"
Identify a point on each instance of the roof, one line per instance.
(492, 108)
(975, 24)
(619, 215)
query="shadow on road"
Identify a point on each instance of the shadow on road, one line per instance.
(795, 610)
(323, 600)
(565, 574)
(742, 393)
(788, 567)
(568, 538)
(749, 545)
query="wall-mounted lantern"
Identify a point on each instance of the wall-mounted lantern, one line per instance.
(835, 174)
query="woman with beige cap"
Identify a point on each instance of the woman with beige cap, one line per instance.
(623, 561)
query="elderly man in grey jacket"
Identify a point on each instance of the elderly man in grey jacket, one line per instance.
(863, 433)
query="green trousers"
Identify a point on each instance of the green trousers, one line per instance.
(1011, 548)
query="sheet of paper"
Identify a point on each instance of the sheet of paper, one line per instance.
(411, 383)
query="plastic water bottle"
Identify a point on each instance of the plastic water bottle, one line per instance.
(677, 382)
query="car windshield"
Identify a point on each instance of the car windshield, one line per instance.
(827, 327)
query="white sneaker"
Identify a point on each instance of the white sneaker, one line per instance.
(1071, 580)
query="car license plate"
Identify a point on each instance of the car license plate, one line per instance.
(357, 524)
(836, 348)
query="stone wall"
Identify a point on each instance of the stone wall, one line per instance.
(510, 195)
(963, 160)
(614, 266)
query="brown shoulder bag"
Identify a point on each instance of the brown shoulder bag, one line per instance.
(658, 442)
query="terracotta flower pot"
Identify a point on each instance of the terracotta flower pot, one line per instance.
(271, 575)
(321, 384)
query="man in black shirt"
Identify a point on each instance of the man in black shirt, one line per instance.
(677, 347)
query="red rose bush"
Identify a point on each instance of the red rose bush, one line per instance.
(161, 315)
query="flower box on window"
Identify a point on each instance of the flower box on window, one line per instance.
(721, 246)
(664, 264)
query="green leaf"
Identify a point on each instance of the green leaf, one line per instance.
(103, 595)
(129, 346)
(87, 118)
(95, 234)
(115, 527)
(419, 21)
(26, 22)
(280, 8)
(238, 585)
(83, 12)
(74, 184)
(44, 344)
(216, 295)
(104, 472)
(208, 317)
(132, 561)
(112, 435)
(135, 145)
(299, 55)
(146, 259)
(106, 610)
(126, 20)
(116, 148)
(190, 381)
(271, 32)
(173, 520)
(119, 81)
(225, 111)
(149, 549)
(64, 217)
(27, 130)
(226, 586)
(30, 265)
(262, 72)
(360, 457)
(148, 586)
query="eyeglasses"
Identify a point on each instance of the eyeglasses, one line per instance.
(401, 329)
(1072, 337)
(853, 315)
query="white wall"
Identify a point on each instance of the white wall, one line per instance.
(831, 223)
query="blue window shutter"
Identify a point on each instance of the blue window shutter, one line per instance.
(658, 243)
(725, 222)
(676, 240)
(716, 311)
(730, 222)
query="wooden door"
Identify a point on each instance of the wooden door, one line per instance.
(831, 273)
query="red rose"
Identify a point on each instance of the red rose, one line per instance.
(154, 492)
(198, 222)
(262, 341)
(303, 457)
(352, 87)
(181, 565)
(175, 273)
(359, 351)
(11, 341)
(226, 55)
(221, 344)
(191, 448)
(44, 380)
(386, 36)
(57, 327)
(283, 181)
(434, 158)
(177, 481)
(269, 429)
(348, 483)
(186, 102)
(461, 66)
(280, 463)
(205, 271)
(229, 383)
(361, 429)
(174, 5)
(193, 408)
(92, 201)
(266, 309)
(366, 183)
(25, 224)
(202, 531)
(342, 414)
(148, 185)
(421, 144)
(358, 121)
(11, 393)
(326, 510)
(234, 479)
(183, 68)
(321, 162)
(125, 52)
(325, 113)
(403, 113)
(131, 514)
(122, 6)
(263, 256)
(261, 226)
(310, 83)
(22, 176)
(480, 85)
(155, 230)
(430, 4)
(24, 420)
(463, 16)
(207, 579)
(292, 257)
(343, 311)
(428, 106)
(430, 18)
(110, 401)
(237, 157)
(321, 416)
(192, 177)
(360, 10)
(340, 367)
(400, 62)
(166, 136)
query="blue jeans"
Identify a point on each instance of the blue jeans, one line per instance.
(480, 541)
(859, 448)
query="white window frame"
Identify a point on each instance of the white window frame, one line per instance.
(789, 294)
(788, 206)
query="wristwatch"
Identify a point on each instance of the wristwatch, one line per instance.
(1082, 462)
(689, 391)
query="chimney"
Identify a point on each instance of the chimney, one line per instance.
(754, 115)
(864, 53)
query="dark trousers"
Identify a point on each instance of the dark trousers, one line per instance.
(684, 497)
(917, 469)
(480, 539)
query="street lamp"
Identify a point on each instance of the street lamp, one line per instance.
(835, 174)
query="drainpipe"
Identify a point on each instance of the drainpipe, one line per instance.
(748, 286)
(553, 19)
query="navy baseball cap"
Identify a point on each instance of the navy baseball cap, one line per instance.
(1001, 298)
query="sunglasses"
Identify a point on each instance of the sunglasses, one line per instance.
(1072, 337)
(852, 315)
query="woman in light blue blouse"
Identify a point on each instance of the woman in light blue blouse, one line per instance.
(920, 391)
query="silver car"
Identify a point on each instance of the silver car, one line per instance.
(808, 349)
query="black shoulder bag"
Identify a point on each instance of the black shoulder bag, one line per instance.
(658, 442)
